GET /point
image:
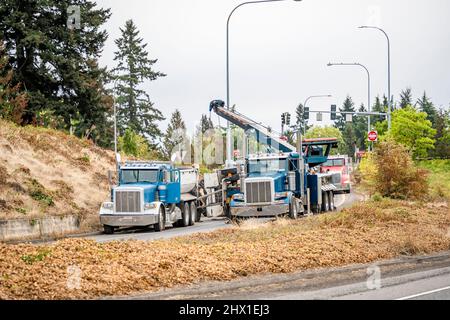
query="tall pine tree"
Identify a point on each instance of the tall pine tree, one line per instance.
(57, 65)
(427, 106)
(406, 98)
(174, 134)
(346, 128)
(136, 111)
(348, 106)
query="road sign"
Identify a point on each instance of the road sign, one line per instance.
(373, 136)
(349, 117)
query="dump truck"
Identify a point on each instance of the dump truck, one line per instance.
(281, 181)
(152, 194)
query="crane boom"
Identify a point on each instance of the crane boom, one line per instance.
(263, 135)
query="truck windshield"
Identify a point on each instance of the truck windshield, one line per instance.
(266, 166)
(137, 176)
(334, 163)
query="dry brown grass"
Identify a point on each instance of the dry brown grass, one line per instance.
(38, 164)
(365, 233)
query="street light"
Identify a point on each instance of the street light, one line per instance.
(229, 155)
(368, 77)
(389, 72)
(314, 97)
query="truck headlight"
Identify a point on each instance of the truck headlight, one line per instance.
(281, 195)
(239, 197)
(108, 205)
(150, 206)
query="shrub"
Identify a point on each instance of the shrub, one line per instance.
(391, 172)
(132, 144)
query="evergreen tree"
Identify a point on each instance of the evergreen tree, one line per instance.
(136, 111)
(385, 103)
(12, 101)
(360, 129)
(378, 107)
(442, 145)
(174, 134)
(56, 65)
(427, 106)
(300, 120)
(348, 106)
(205, 124)
(406, 98)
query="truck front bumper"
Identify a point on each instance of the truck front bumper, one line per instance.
(345, 188)
(110, 218)
(259, 212)
(115, 220)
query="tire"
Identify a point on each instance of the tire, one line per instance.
(193, 213)
(227, 211)
(325, 204)
(108, 229)
(185, 215)
(331, 201)
(161, 225)
(293, 209)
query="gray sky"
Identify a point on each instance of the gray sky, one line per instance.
(279, 52)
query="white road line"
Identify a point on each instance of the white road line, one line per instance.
(423, 294)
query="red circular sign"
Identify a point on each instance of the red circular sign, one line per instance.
(373, 136)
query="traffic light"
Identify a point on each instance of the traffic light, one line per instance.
(333, 112)
(288, 119)
(283, 118)
(306, 113)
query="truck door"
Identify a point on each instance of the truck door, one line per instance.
(173, 186)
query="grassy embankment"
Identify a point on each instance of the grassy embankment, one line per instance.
(45, 172)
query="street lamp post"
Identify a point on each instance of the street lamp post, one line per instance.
(115, 123)
(313, 97)
(389, 72)
(229, 151)
(368, 87)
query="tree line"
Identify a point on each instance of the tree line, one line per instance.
(416, 123)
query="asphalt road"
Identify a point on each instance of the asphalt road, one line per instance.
(207, 225)
(406, 278)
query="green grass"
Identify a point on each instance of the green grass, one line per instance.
(439, 177)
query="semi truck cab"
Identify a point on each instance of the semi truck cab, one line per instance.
(150, 194)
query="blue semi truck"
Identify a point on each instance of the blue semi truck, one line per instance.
(281, 181)
(152, 194)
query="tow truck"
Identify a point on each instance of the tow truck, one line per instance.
(284, 180)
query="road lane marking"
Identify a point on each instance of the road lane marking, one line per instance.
(423, 294)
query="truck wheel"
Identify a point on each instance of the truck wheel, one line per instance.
(161, 225)
(331, 201)
(227, 211)
(293, 209)
(198, 216)
(193, 213)
(108, 229)
(324, 201)
(185, 215)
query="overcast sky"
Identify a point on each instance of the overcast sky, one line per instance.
(279, 52)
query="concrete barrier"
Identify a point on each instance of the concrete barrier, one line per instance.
(27, 229)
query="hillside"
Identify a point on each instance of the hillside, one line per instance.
(45, 172)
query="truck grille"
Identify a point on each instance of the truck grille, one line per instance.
(128, 201)
(336, 178)
(258, 192)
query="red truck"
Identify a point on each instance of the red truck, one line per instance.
(340, 167)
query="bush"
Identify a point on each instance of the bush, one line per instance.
(132, 144)
(391, 172)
